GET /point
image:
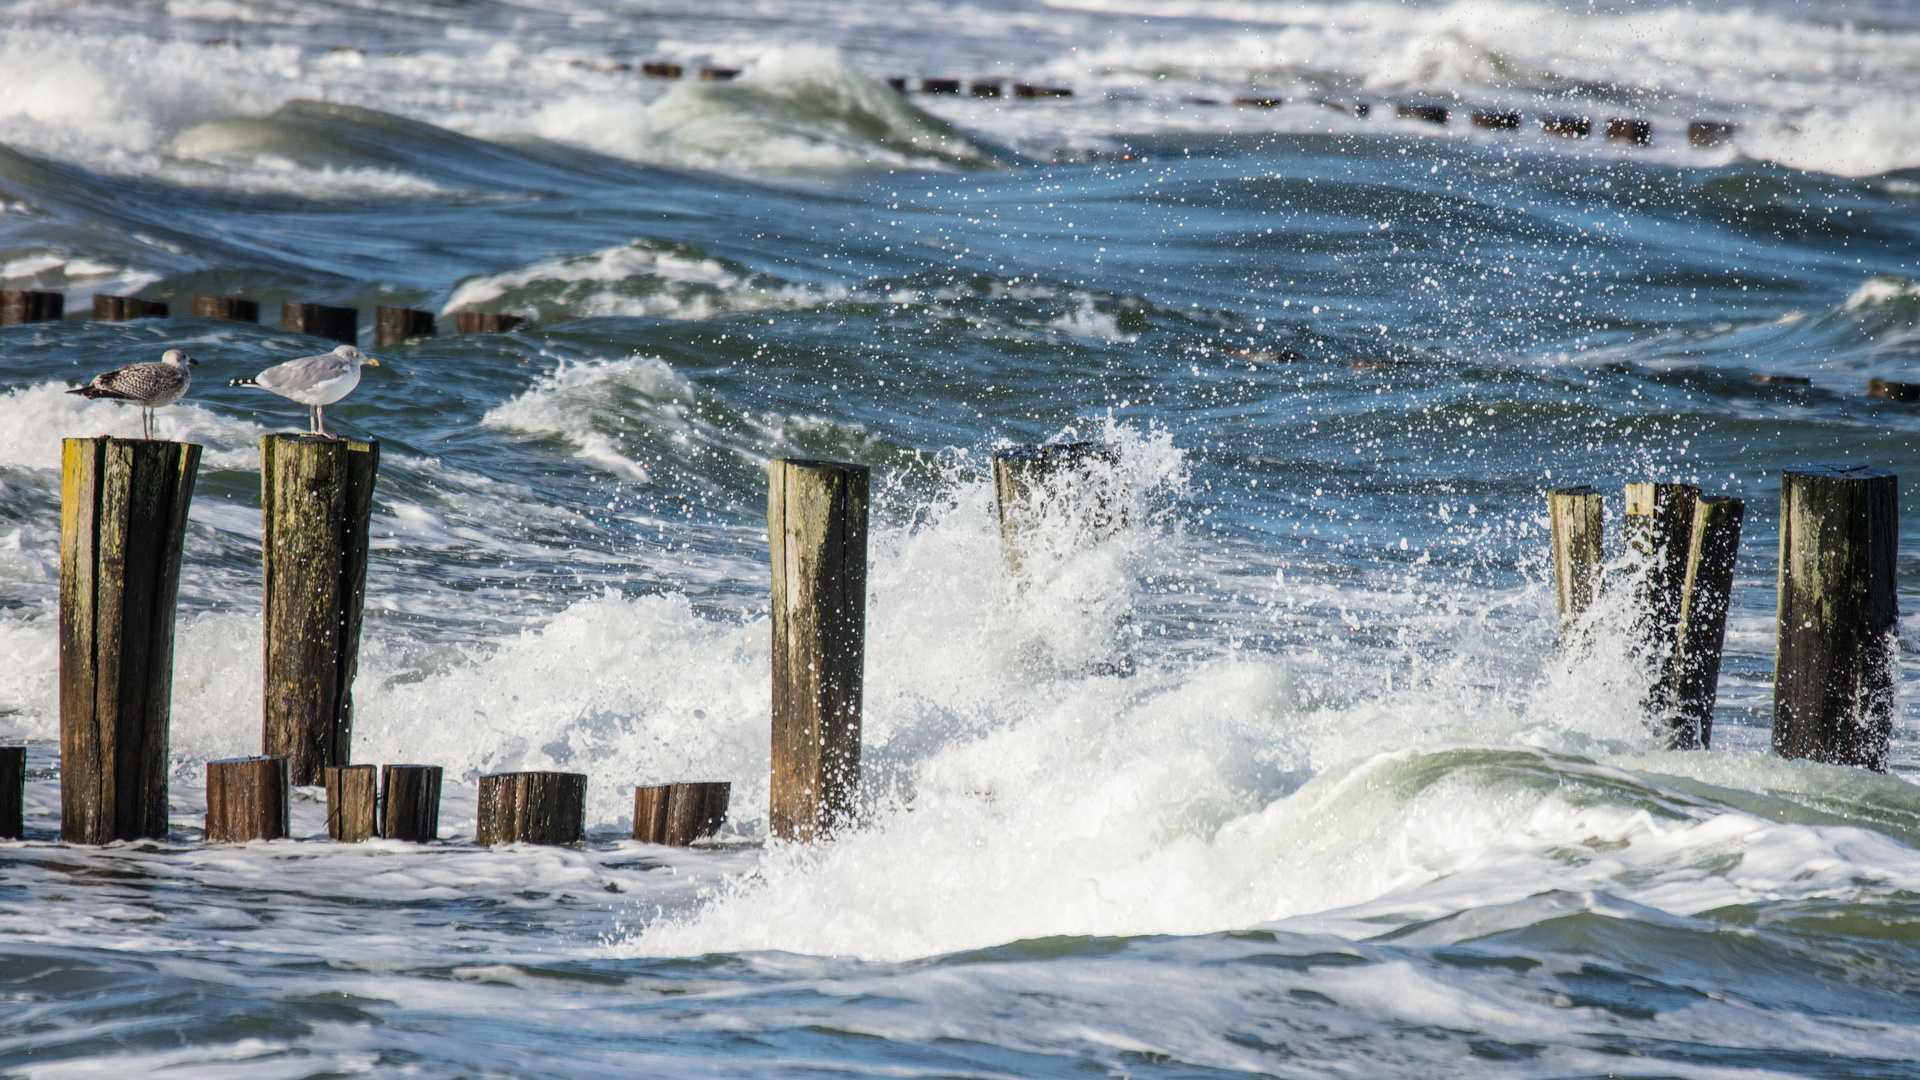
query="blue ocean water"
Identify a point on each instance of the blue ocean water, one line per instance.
(1346, 809)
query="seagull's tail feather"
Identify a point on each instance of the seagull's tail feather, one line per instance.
(91, 391)
(244, 380)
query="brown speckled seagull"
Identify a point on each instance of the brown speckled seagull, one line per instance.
(146, 385)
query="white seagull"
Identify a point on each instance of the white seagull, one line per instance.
(147, 385)
(314, 381)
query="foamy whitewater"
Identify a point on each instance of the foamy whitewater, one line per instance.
(1288, 776)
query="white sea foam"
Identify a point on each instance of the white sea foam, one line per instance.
(642, 278)
(34, 420)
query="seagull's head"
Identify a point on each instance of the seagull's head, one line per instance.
(177, 358)
(348, 352)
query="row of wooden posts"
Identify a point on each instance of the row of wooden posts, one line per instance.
(1833, 655)
(124, 505)
(123, 516)
(391, 325)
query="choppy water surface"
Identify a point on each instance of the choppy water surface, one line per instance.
(1349, 813)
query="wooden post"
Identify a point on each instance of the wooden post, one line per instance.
(679, 814)
(13, 792)
(484, 322)
(1659, 526)
(532, 808)
(316, 496)
(393, 325)
(1576, 516)
(1702, 625)
(246, 800)
(817, 535)
(123, 308)
(352, 798)
(123, 518)
(410, 802)
(1833, 665)
(1029, 482)
(29, 306)
(224, 307)
(334, 323)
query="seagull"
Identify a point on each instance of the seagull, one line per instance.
(147, 385)
(314, 381)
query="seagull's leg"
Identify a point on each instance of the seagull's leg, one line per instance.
(320, 414)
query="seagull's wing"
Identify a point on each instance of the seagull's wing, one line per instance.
(296, 375)
(138, 382)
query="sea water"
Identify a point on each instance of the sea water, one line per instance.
(1287, 777)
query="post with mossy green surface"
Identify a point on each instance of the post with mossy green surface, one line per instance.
(1833, 661)
(1658, 524)
(1702, 624)
(817, 536)
(316, 498)
(1575, 516)
(123, 520)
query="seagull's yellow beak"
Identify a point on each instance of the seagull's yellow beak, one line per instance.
(372, 361)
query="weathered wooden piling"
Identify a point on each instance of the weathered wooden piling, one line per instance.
(1833, 664)
(1036, 90)
(1495, 120)
(679, 814)
(718, 74)
(660, 69)
(224, 307)
(1576, 516)
(1701, 629)
(1432, 114)
(817, 534)
(1789, 380)
(1260, 101)
(123, 518)
(340, 324)
(13, 792)
(1074, 478)
(1706, 134)
(532, 808)
(1567, 127)
(898, 82)
(985, 88)
(939, 86)
(353, 803)
(410, 802)
(1893, 391)
(1658, 524)
(126, 308)
(19, 306)
(246, 800)
(1630, 130)
(316, 496)
(484, 322)
(393, 325)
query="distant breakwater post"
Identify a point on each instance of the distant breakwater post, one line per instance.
(532, 808)
(1681, 547)
(126, 308)
(224, 307)
(19, 306)
(817, 537)
(484, 322)
(393, 325)
(123, 517)
(340, 324)
(1833, 661)
(353, 803)
(247, 799)
(679, 814)
(316, 499)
